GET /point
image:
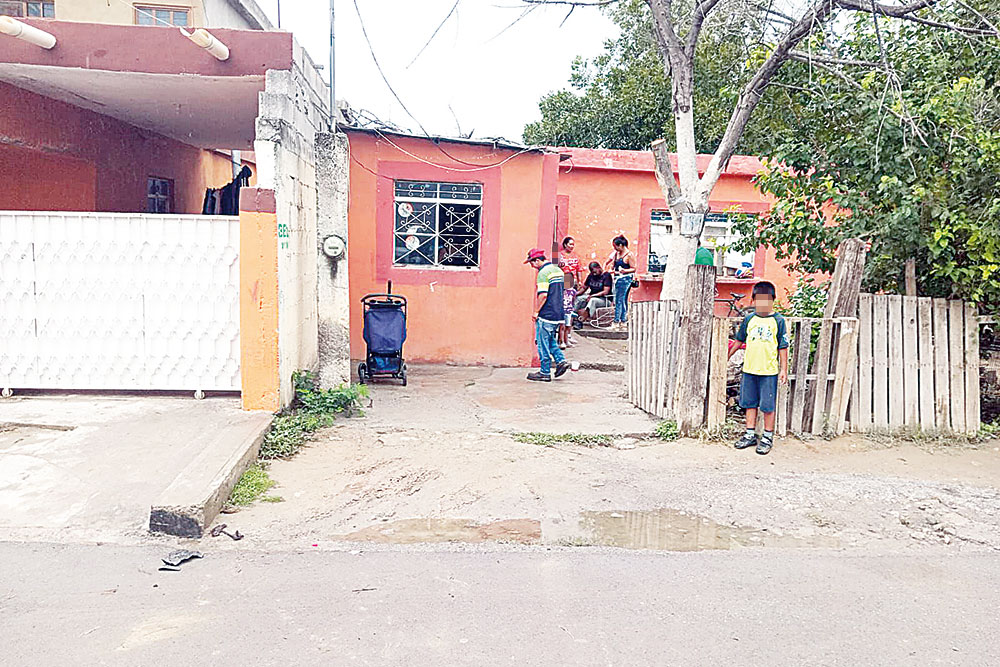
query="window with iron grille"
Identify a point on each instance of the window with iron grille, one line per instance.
(717, 236)
(45, 10)
(159, 195)
(161, 16)
(437, 224)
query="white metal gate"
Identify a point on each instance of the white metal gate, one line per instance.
(119, 301)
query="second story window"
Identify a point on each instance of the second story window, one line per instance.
(45, 10)
(161, 16)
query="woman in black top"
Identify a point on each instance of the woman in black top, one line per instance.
(622, 263)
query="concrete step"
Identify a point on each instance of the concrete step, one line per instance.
(604, 334)
(192, 501)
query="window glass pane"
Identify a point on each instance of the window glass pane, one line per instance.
(162, 16)
(11, 9)
(416, 189)
(153, 186)
(143, 17)
(34, 9)
(48, 10)
(411, 249)
(180, 18)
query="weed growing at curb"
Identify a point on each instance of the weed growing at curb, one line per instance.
(667, 430)
(552, 439)
(312, 409)
(253, 484)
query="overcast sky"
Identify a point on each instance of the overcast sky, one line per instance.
(492, 82)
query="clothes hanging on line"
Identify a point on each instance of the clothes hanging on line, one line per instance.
(226, 200)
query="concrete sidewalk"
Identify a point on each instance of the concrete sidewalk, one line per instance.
(90, 467)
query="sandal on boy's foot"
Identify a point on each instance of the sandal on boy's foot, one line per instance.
(746, 440)
(765, 444)
(538, 377)
(561, 368)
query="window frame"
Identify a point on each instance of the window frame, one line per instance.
(169, 197)
(139, 8)
(647, 206)
(438, 201)
(24, 8)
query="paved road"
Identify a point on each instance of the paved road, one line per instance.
(108, 605)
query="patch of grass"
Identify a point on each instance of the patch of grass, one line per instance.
(930, 439)
(731, 429)
(253, 484)
(552, 439)
(667, 430)
(312, 409)
(272, 499)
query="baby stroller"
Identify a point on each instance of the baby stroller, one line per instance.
(384, 317)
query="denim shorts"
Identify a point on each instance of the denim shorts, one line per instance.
(759, 391)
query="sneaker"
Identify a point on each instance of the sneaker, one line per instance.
(747, 440)
(538, 377)
(561, 368)
(562, 346)
(765, 444)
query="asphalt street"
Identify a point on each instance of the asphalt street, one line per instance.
(110, 605)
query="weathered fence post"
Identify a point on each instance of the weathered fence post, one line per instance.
(694, 348)
(842, 301)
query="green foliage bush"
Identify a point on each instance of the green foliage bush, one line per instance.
(667, 430)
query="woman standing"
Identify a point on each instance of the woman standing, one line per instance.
(623, 264)
(568, 261)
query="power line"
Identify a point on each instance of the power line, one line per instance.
(379, 68)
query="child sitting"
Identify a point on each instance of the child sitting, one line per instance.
(765, 364)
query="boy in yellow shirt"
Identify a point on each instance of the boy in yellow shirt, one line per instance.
(765, 364)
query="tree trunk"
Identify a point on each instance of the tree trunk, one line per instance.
(911, 277)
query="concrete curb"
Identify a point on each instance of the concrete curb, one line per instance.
(601, 366)
(602, 334)
(196, 496)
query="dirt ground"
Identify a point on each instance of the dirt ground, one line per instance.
(437, 461)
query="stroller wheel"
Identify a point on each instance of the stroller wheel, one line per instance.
(402, 375)
(362, 372)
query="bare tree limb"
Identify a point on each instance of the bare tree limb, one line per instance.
(819, 11)
(434, 34)
(906, 13)
(697, 21)
(802, 56)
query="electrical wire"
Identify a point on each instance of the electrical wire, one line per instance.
(454, 169)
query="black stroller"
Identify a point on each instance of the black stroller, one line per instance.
(384, 317)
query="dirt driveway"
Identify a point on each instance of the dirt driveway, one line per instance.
(439, 461)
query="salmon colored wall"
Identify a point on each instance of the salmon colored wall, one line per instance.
(259, 300)
(603, 203)
(31, 180)
(453, 316)
(66, 148)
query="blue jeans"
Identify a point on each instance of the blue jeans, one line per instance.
(759, 391)
(548, 346)
(622, 286)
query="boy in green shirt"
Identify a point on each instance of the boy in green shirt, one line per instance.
(765, 364)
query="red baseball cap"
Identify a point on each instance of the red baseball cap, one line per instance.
(535, 253)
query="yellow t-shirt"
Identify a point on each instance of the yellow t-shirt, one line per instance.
(763, 336)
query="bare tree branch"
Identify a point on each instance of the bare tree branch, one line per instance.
(906, 13)
(802, 56)
(698, 20)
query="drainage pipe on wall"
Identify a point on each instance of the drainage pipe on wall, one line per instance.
(30, 34)
(207, 41)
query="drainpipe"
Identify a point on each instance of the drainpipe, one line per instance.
(28, 33)
(207, 41)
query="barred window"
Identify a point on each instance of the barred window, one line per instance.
(437, 224)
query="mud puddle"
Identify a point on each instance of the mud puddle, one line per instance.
(668, 530)
(663, 529)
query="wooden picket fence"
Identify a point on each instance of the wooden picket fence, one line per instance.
(652, 360)
(814, 401)
(918, 365)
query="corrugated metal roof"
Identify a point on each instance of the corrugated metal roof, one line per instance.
(498, 142)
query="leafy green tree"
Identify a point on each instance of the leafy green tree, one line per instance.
(682, 27)
(907, 156)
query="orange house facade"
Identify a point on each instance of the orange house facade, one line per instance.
(448, 222)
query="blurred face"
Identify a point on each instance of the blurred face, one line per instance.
(595, 270)
(569, 246)
(763, 303)
(618, 247)
(537, 263)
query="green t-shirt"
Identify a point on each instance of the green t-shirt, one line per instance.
(704, 256)
(763, 336)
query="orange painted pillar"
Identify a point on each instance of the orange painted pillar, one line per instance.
(259, 299)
